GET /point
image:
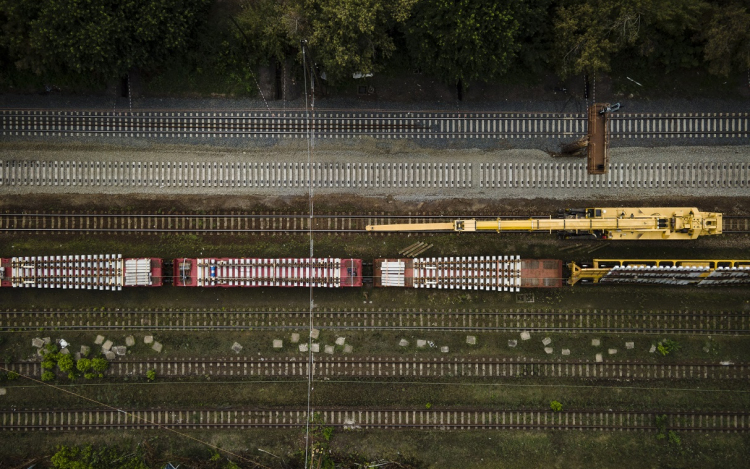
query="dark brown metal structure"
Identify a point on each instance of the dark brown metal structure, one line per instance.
(598, 136)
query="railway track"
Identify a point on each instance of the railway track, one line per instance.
(400, 367)
(348, 124)
(453, 419)
(526, 320)
(385, 175)
(237, 223)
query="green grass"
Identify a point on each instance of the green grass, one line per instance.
(491, 394)
(414, 449)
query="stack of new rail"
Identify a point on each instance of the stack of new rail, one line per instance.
(80, 272)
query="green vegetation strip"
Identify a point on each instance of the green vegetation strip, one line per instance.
(532, 394)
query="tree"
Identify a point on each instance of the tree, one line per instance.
(103, 38)
(727, 39)
(347, 36)
(99, 364)
(262, 25)
(590, 33)
(66, 364)
(83, 365)
(464, 39)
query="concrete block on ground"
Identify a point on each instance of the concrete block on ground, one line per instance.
(512, 343)
(65, 351)
(630, 345)
(525, 336)
(37, 342)
(652, 349)
(149, 339)
(315, 348)
(348, 348)
(120, 350)
(41, 352)
(107, 345)
(157, 346)
(99, 340)
(546, 341)
(85, 350)
(612, 351)
(329, 349)
(47, 340)
(340, 340)
(599, 358)
(421, 343)
(548, 350)
(278, 343)
(444, 349)
(403, 342)
(566, 351)
(3, 391)
(315, 333)
(596, 342)
(295, 338)
(303, 347)
(471, 339)
(236, 347)
(130, 341)
(109, 355)
(77, 355)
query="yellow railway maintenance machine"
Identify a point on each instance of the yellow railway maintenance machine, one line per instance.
(639, 223)
(663, 272)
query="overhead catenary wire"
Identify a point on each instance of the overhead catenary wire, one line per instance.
(142, 419)
(310, 143)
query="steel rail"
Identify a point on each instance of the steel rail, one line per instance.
(728, 323)
(387, 418)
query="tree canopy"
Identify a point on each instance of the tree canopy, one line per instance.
(590, 33)
(103, 38)
(349, 35)
(463, 39)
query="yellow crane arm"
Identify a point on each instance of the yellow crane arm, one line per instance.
(612, 223)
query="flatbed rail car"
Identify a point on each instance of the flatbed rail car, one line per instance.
(615, 223)
(696, 272)
(81, 272)
(491, 273)
(265, 272)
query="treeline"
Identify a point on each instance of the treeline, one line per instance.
(452, 40)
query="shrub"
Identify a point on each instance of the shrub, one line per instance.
(66, 364)
(428, 406)
(100, 364)
(83, 365)
(12, 375)
(151, 375)
(674, 438)
(48, 376)
(48, 364)
(89, 375)
(667, 346)
(72, 376)
(555, 406)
